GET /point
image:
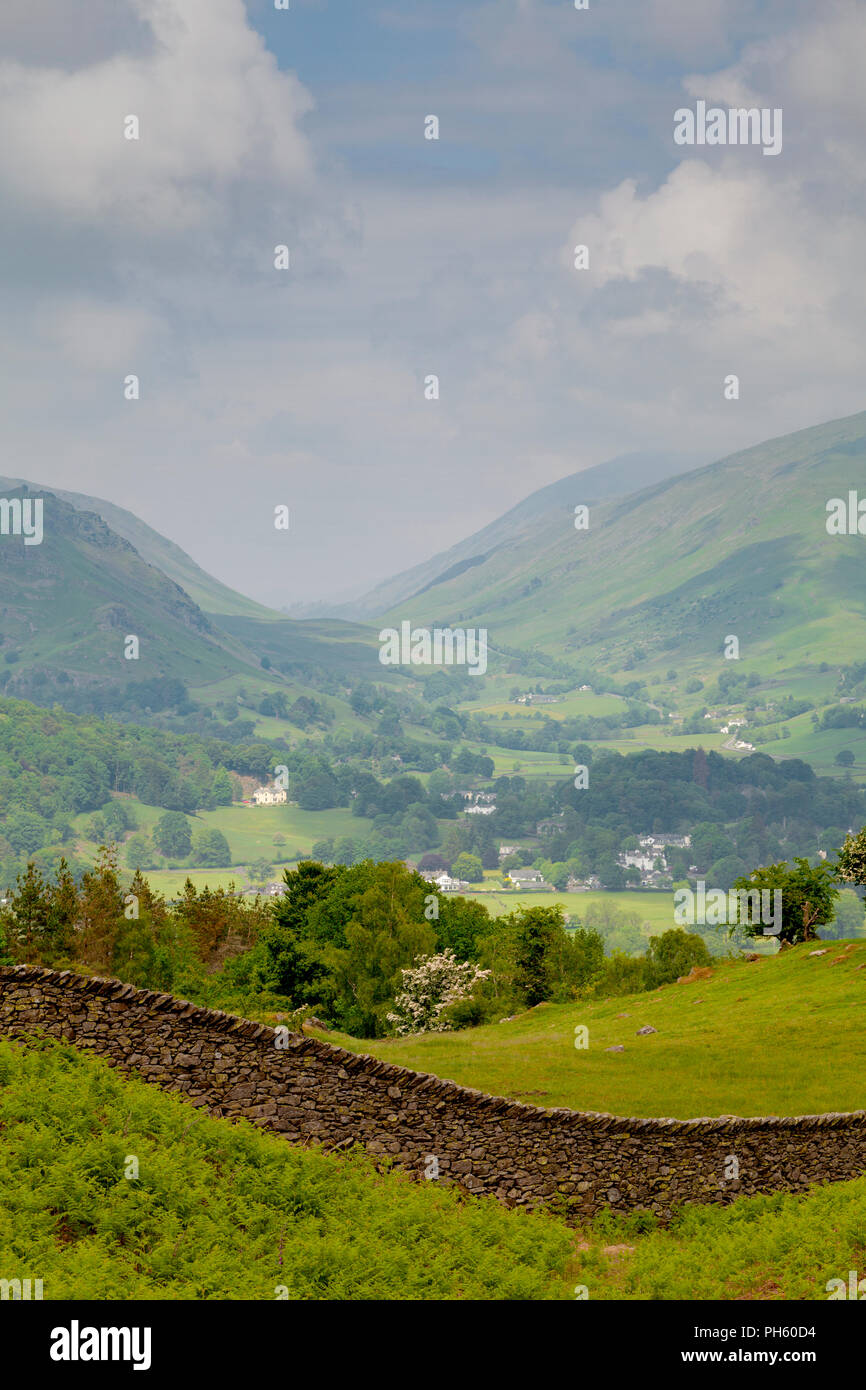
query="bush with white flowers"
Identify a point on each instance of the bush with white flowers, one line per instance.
(429, 986)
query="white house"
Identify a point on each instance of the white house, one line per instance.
(527, 878)
(446, 883)
(644, 862)
(270, 796)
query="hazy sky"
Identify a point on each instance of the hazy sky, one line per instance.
(411, 257)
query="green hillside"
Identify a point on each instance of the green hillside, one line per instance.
(223, 1211)
(739, 547)
(100, 573)
(68, 604)
(209, 593)
(616, 478)
(777, 1036)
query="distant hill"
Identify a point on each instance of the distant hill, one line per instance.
(100, 575)
(739, 547)
(616, 478)
(68, 605)
(208, 593)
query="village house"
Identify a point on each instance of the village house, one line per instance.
(445, 883)
(270, 796)
(659, 842)
(527, 878)
(644, 862)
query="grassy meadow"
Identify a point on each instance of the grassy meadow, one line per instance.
(781, 1035)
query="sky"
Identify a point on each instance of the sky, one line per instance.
(410, 257)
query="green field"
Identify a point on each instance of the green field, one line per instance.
(763, 1248)
(250, 829)
(655, 910)
(223, 1211)
(778, 1036)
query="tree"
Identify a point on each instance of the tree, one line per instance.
(260, 870)
(172, 836)
(612, 875)
(673, 954)
(222, 787)
(461, 926)
(139, 852)
(558, 875)
(537, 933)
(432, 863)
(27, 915)
(211, 849)
(844, 758)
(429, 987)
(468, 867)
(101, 912)
(808, 898)
(851, 861)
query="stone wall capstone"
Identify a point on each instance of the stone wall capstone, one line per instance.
(310, 1091)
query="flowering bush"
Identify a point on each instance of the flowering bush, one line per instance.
(429, 986)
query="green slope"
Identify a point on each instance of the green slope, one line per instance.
(222, 1211)
(777, 1036)
(67, 605)
(739, 547)
(210, 594)
(616, 478)
(100, 574)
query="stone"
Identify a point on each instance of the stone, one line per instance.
(647, 1028)
(510, 1150)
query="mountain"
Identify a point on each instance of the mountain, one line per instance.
(616, 478)
(67, 605)
(208, 593)
(739, 547)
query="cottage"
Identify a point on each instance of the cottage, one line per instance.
(527, 878)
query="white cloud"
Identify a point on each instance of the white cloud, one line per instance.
(214, 110)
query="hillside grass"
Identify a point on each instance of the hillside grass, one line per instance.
(224, 1211)
(778, 1036)
(777, 1247)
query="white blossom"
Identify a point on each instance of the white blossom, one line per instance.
(429, 986)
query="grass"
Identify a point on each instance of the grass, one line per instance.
(775, 1247)
(224, 1211)
(655, 910)
(779, 1036)
(250, 832)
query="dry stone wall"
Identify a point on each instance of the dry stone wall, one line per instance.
(309, 1091)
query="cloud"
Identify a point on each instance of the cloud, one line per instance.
(306, 387)
(214, 111)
